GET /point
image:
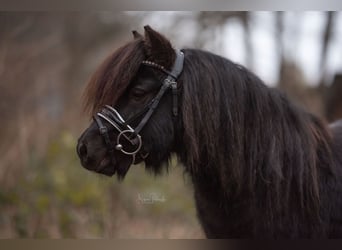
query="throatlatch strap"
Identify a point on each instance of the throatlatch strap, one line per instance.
(177, 69)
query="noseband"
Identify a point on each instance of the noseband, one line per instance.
(126, 132)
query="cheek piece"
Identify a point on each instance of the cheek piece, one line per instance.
(128, 140)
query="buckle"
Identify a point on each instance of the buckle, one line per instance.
(169, 83)
(103, 130)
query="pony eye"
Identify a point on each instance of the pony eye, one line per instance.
(137, 93)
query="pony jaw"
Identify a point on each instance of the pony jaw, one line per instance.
(109, 166)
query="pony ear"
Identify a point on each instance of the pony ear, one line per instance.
(137, 35)
(158, 48)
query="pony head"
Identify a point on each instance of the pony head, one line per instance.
(129, 80)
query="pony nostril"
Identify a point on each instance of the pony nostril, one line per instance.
(82, 150)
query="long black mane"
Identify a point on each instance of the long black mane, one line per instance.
(255, 142)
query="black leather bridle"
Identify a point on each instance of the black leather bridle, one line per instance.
(128, 133)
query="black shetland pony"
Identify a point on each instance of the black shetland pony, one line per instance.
(261, 167)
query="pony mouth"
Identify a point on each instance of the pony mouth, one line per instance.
(103, 164)
(106, 167)
(109, 166)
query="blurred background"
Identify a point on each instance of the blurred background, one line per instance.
(46, 59)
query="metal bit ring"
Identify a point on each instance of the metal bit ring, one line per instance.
(125, 132)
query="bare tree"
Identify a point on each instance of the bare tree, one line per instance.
(327, 35)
